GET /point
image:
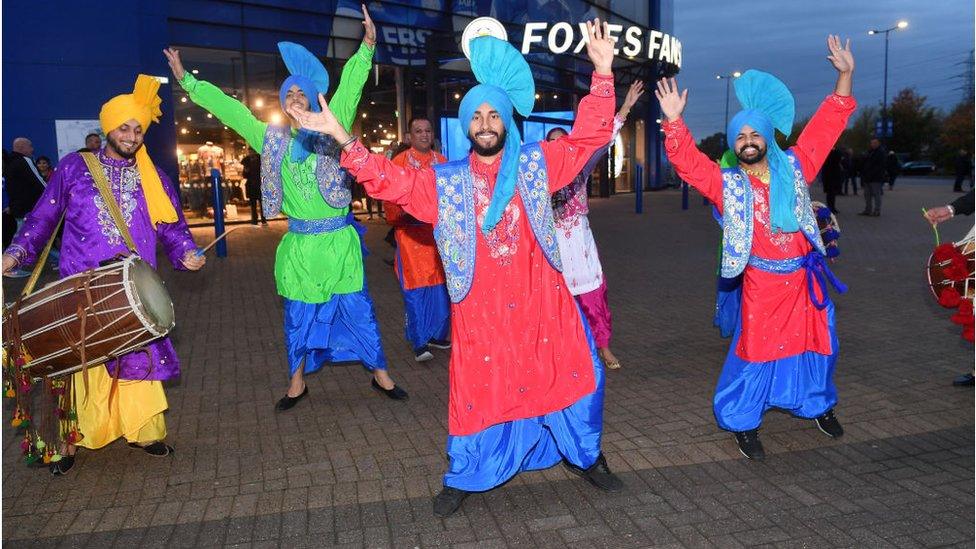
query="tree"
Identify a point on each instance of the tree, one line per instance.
(861, 131)
(957, 134)
(916, 125)
(714, 145)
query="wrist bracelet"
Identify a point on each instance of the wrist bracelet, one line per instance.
(952, 211)
(347, 143)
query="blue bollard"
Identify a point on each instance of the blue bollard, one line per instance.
(218, 209)
(639, 188)
(684, 196)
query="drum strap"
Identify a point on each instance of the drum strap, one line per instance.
(98, 174)
(41, 260)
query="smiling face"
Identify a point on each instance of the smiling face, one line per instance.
(125, 140)
(750, 146)
(295, 96)
(486, 130)
(421, 134)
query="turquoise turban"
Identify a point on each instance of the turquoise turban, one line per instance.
(768, 106)
(311, 77)
(505, 83)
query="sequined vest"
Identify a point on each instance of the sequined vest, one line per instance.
(456, 229)
(334, 184)
(737, 218)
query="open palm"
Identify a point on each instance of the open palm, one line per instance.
(840, 56)
(672, 101)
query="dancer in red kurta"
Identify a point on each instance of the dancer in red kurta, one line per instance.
(526, 385)
(784, 347)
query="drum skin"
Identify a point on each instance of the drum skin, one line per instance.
(117, 321)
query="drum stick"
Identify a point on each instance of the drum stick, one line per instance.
(203, 250)
(935, 229)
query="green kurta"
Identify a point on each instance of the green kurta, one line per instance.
(308, 268)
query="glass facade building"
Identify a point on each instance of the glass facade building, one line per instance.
(418, 70)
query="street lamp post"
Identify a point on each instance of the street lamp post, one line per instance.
(728, 85)
(884, 100)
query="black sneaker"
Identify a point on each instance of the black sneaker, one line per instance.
(62, 466)
(439, 344)
(965, 380)
(749, 444)
(287, 402)
(829, 425)
(423, 354)
(598, 475)
(448, 501)
(156, 449)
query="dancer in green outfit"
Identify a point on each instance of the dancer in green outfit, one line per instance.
(319, 263)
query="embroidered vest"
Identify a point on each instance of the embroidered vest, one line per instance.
(737, 218)
(334, 184)
(456, 229)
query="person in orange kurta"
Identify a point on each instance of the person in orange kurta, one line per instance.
(417, 265)
(784, 346)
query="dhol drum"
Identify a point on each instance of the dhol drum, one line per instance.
(89, 318)
(951, 268)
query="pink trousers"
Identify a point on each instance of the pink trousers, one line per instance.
(597, 311)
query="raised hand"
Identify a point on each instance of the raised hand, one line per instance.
(633, 94)
(175, 64)
(672, 102)
(599, 46)
(840, 55)
(370, 29)
(324, 122)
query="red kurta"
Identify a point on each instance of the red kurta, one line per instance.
(418, 259)
(519, 346)
(778, 317)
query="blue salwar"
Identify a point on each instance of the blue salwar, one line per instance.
(492, 456)
(428, 312)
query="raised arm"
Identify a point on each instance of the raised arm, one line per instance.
(818, 137)
(593, 127)
(346, 98)
(691, 165)
(228, 110)
(410, 188)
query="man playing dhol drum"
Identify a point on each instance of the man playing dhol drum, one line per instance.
(150, 209)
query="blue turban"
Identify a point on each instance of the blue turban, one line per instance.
(311, 77)
(505, 83)
(768, 106)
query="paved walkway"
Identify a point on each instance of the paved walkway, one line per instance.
(349, 468)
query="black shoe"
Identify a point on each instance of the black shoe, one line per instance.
(965, 380)
(598, 475)
(388, 261)
(62, 466)
(749, 444)
(423, 354)
(448, 501)
(829, 425)
(876, 214)
(287, 402)
(156, 449)
(396, 393)
(864, 213)
(439, 344)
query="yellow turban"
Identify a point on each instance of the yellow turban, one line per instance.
(142, 105)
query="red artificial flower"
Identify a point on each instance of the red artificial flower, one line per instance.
(943, 252)
(967, 334)
(949, 297)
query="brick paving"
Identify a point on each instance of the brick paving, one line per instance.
(352, 469)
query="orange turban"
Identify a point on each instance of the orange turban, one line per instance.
(142, 105)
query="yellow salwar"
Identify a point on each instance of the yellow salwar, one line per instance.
(136, 413)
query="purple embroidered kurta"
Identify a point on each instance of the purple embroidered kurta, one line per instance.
(91, 237)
